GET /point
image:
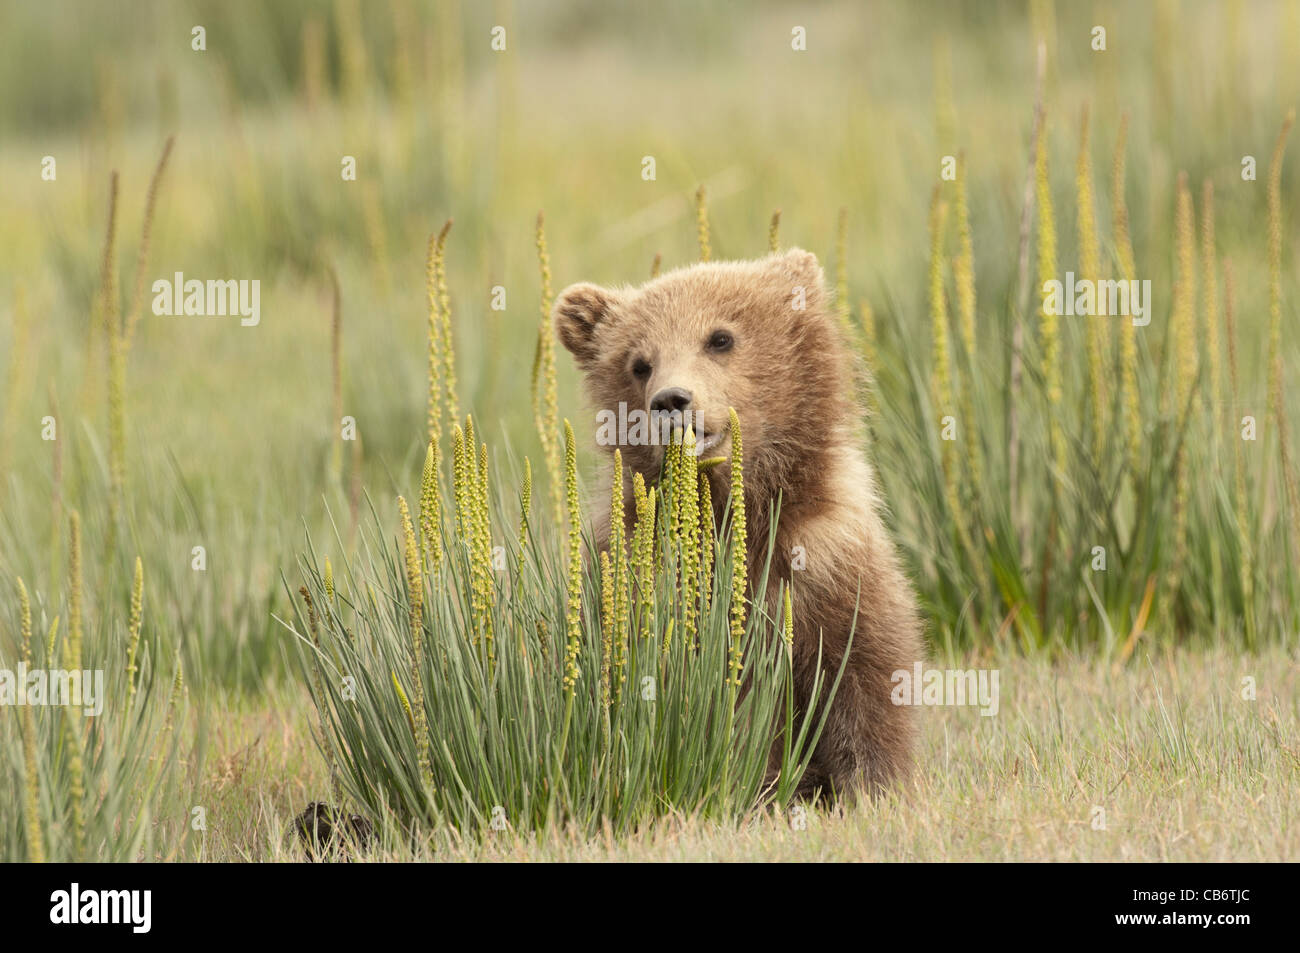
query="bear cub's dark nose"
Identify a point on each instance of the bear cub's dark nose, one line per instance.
(670, 399)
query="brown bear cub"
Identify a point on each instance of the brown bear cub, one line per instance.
(758, 336)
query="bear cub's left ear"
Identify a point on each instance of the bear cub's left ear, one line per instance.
(579, 311)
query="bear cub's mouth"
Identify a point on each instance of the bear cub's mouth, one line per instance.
(706, 441)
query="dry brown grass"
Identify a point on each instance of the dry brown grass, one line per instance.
(1184, 768)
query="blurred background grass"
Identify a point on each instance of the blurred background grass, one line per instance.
(229, 428)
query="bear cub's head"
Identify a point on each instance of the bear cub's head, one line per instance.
(697, 341)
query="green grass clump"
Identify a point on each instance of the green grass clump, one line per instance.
(582, 717)
(92, 788)
(1148, 527)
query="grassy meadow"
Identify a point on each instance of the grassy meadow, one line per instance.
(1114, 527)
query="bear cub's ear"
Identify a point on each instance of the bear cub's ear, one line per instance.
(579, 310)
(799, 266)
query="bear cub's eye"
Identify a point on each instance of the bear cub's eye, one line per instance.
(641, 368)
(721, 341)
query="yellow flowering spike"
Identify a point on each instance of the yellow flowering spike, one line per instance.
(639, 496)
(650, 557)
(31, 781)
(1275, 382)
(110, 319)
(941, 379)
(146, 240)
(461, 482)
(76, 782)
(640, 534)
(525, 504)
(483, 513)
(774, 232)
(573, 617)
(1247, 570)
(1210, 294)
(431, 507)
(477, 511)
(483, 555)
(1184, 343)
(963, 266)
(1048, 323)
(448, 350)
(788, 630)
(868, 318)
(1128, 333)
(1095, 328)
(619, 566)
(49, 641)
(434, 408)
(739, 548)
(313, 629)
(116, 427)
(120, 333)
(688, 540)
(607, 623)
(668, 635)
(475, 535)
(702, 223)
(74, 593)
(640, 500)
(178, 690)
(415, 594)
(1184, 324)
(25, 607)
(654, 265)
(963, 273)
(617, 525)
(621, 636)
(544, 387)
(72, 661)
(133, 628)
(406, 705)
(643, 553)
(707, 541)
(672, 464)
(114, 340)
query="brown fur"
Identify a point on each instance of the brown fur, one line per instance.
(790, 377)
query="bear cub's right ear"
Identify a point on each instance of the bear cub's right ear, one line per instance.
(579, 310)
